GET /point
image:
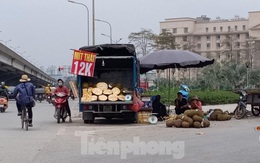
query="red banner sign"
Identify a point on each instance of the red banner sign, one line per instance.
(83, 63)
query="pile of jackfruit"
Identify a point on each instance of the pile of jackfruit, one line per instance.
(190, 118)
(219, 115)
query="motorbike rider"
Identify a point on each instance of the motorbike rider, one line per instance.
(3, 90)
(48, 91)
(25, 95)
(62, 88)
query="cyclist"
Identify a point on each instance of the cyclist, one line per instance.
(26, 95)
(62, 88)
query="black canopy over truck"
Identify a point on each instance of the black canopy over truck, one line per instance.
(116, 65)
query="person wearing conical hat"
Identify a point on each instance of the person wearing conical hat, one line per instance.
(25, 96)
(195, 103)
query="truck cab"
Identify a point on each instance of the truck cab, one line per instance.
(117, 66)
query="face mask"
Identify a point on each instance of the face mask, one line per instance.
(60, 83)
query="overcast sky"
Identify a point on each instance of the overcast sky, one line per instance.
(45, 30)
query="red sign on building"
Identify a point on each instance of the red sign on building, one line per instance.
(83, 63)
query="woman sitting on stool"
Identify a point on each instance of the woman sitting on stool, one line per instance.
(159, 108)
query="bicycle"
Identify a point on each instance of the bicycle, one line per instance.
(25, 118)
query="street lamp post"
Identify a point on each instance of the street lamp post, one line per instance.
(106, 35)
(87, 15)
(109, 26)
(115, 41)
(93, 21)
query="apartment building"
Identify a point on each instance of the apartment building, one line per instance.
(220, 39)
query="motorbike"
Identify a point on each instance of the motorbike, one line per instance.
(40, 97)
(49, 99)
(60, 106)
(240, 110)
(3, 104)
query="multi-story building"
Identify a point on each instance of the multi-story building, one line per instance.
(220, 39)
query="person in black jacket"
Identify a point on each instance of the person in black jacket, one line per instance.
(3, 90)
(181, 104)
(159, 108)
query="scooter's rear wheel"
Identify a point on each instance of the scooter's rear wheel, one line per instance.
(239, 112)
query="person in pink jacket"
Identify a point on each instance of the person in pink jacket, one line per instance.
(195, 103)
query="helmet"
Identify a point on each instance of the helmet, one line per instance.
(3, 83)
(184, 93)
(185, 87)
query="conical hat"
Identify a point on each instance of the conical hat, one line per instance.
(93, 98)
(107, 92)
(102, 85)
(112, 97)
(116, 90)
(97, 91)
(102, 97)
(121, 97)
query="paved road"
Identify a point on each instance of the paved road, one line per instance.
(230, 141)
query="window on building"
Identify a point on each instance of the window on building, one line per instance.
(238, 44)
(218, 37)
(208, 45)
(228, 45)
(244, 27)
(214, 29)
(199, 46)
(174, 30)
(198, 38)
(247, 36)
(229, 28)
(221, 29)
(164, 30)
(218, 45)
(185, 38)
(238, 36)
(207, 29)
(208, 38)
(235, 28)
(186, 30)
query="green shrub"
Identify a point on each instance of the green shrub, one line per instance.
(207, 97)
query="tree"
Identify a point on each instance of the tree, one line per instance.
(250, 48)
(165, 40)
(231, 47)
(143, 41)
